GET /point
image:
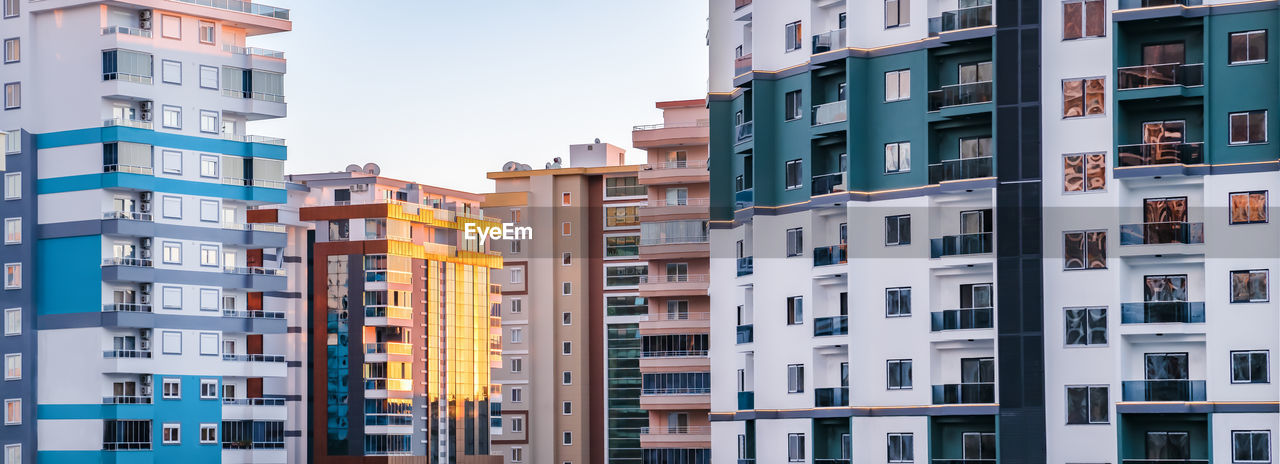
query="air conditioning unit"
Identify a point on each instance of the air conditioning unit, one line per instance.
(146, 379)
(146, 105)
(145, 115)
(146, 242)
(360, 188)
(146, 390)
(144, 334)
(145, 253)
(144, 298)
(144, 19)
(144, 345)
(146, 288)
(145, 196)
(144, 208)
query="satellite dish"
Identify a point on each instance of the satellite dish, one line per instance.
(597, 139)
(372, 169)
(511, 166)
(353, 168)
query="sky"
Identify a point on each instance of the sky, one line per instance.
(441, 92)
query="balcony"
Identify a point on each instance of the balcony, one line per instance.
(675, 321)
(252, 8)
(960, 94)
(742, 65)
(255, 139)
(125, 30)
(252, 314)
(381, 315)
(1152, 154)
(830, 255)
(253, 409)
(828, 183)
(671, 436)
(964, 244)
(252, 51)
(389, 348)
(126, 308)
(671, 134)
(745, 266)
(964, 393)
(126, 122)
(126, 354)
(1162, 233)
(964, 18)
(254, 270)
(1159, 75)
(254, 358)
(1130, 4)
(830, 113)
(674, 284)
(960, 169)
(964, 461)
(738, 4)
(263, 183)
(675, 209)
(745, 334)
(744, 131)
(675, 391)
(830, 397)
(828, 41)
(1163, 390)
(125, 168)
(127, 262)
(744, 199)
(960, 319)
(746, 400)
(1160, 312)
(614, 191)
(834, 325)
(127, 216)
(126, 400)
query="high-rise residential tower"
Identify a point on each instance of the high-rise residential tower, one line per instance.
(1072, 268)
(143, 318)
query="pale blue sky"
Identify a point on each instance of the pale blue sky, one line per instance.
(441, 92)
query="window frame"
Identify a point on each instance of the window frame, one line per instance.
(793, 39)
(1089, 419)
(795, 378)
(898, 14)
(1088, 330)
(888, 382)
(15, 12)
(17, 103)
(788, 107)
(795, 310)
(897, 221)
(13, 403)
(1084, 243)
(7, 358)
(164, 76)
(208, 426)
(13, 178)
(17, 270)
(177, 433)
(217, 77)
(1247, 61)
(17, 41)
(798, 164)
(1231, 276)
(1084, 97)
(1252, 433)
(1266, 364)
(1084, 169)
(7, 239)
(898, 74)
(164, 388)
(213, 32)
(12, 329)
(908, 448)
(165, 110)
(205, 382)
(1084, 20)
(798, 250)
(795, 447)
(1266, 137)
(899, 291)
(217, 121)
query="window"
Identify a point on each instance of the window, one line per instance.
(208, 344)
(208, 77)
(208, 166)
(1084, 172)
(517, 395)
(1085, 249)
(795, 310)
(566, 348)
(1250, 367)
(209, 122)
(517, 335)
(170, 27)
(206, 32)
(795, 378)
(1083, 19)
(566, 318)
(793, 39)
(1083, 97)
(171, 343)
(1250, 446)
(13, 276)
(12, 411)
(517, 306)
(1248, 127)
(1249, 286)
(171, 162)
(12, 50)
(624, 276)
(566, 199)
(792, 106)
(171, 434)
(566, 288)
(208, 388)
(517, 453)
(1248, 47)
(10, 8)
(566, 408)
(567, 438)
(171, 389)
(566, 378)
(901, 447)
(13, 143)
(13, 321)
(208, 433)
(12, 231)
(172, 253)
(897, 13)
(566, 259)
(517, 365)
(1086, 326)
(795, 447)
(793, 171)
(13, 186)
(170, 72)
(621, 245)
(897, 302)
(566, 229)
(209, 210)
(897, 157)
(897, 85)
(171, 117)
(13, 453)
(899, 374)
(171, 297)
(208, 255)
(517, 276)
(897, 230)
(795, 241)
(13, 366)
(12, 95)
(209, 299)
(1087, 405)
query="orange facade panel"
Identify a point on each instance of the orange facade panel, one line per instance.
(262, 216)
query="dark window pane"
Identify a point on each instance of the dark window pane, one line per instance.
(1239, 48)
(1258, 45)
(904, 230)
(1098, 402)
(1095, 91)
(1257, 126)
(1072, 15)
(1075, 327)
(1098, 326)
(1095, 171)
(1077, 405)
(1073, 247)
(1095, 26)
(1097, 249)
(1258, 367)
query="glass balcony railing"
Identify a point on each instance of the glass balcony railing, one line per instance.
(834, 325)
(255, 51)
(828, 41)
(117, 354)
(127, 215)
(268, 358)
(127, 122)
(830, 397)
(253, 314)
(964, 244)
(126, 30)
(143, 170)
(744, 199)
(964, 18)
(828, 183)
(625, 190)
(253, 8)
(126, 400)
(126, 308)
(745, 266)
(960, 94)
(1165, 461)
(965, 318)
(830, 113)
(129, 262)
(254, 401)
(1158, 312)
(960, 169)
(745, 333)
(1163, 390)
(746, 400)
(964, 461)
(742, 65)
(964, 393)
(829, 255)
(394, 312)
(1150, 154)
(825, 461)
(1158, 75)
(388, 348)
(744, 131)
(1129, 4)
(1161, 233)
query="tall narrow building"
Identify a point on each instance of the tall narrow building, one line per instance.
(140, 314)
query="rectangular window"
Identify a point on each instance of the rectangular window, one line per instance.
(795, 378)
(171, 343)
(566, 378)
(170, 27)
(1252, 446)
(209, 210)
(517, 306)
(171, 117)
(127, 65)
(171, 252)
(1083, 19)
(567, 438)
(171, 389)
(517, 335)
(12, 95)
(901, 447)
(171, 434)
(13, 321)
(171, 161)
(1248, 47)
(1083, 97)
(1086, 326)
(1250, 366)
(795, 242)
(12, 411)
(208, 166)
(12, 231)
(517, 453)
(209, 255)
(517, 275)
(566, 318)
(621, 245)
(566, 288)
(12, 276)
(13, 453)
(1248, 127)
(208, 433)
(171, 298)
(517, 365)
(897, 302)
(793, 173)
(791, 106)
(621, 216)
(209, 122)
(12, 50)
(11, 8)
(897, 85)
(897, 230)
(13, 366)
(1249, 286)
(566, 348)
(1085, 249)
(1087, 405)
(897, 13)
(208, 77)
(208, 388)
(899, 374)
(795, 310)
(206, 32)
(209, 299)
(170, 72)
(517, 395)
(13, 186)
(897, 157)
(795, 447)
(13, 143)
(793, 39)
(1084, 172)
(566, 229)
(208, 344)
(566, 408)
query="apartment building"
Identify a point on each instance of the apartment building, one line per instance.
(144, 314)
(572, 309)
(674, 366)
(965, 304)
(400, 329)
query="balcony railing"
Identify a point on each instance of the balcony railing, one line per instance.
(673, 391)
(127, 77)
(1158, 312)
(253, 314)
(129, 262)
(829, 255)
(1158, 75)
(126, 30)
(746, 400)
(254, 401)
(394, 312)
(1128, 4)
(1160, 233)
(745, 333)
(742, 65)
(674, 279)
(964, 461)
(830, 113)
(143, 170)
(1163, 390)
(828, 41)
(673, 240)
(278, 228)
(122, 354)
(253, 8)
(678, 202)
(744, 131)
(126, 308)
(677, 430)
(965, 318)
(254, 270)
(388, 348)
(255, 139)
(674, 354)
(960, 169)
(251, 95)
(834, 325)
(672, 125)
(126, 122)
(685, 164)
(964, 393)
(388, 384)
(746, 266)
(744, 198)
(127, 215)
(964, 244)
(1150, 154)
(828, 183)
(126, 400)
(960, 94)
(269, 358)
(255, 51)
(964, 18)
(1165, 461)
(830, 397)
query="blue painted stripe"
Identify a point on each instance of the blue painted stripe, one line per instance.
(158, 184)
(161, 139)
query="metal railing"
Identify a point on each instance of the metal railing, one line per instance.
(823, 184)
(255, 139)
(746, 334)
(126, 30)
(677, 430)
(1161, 233)
(388, 384)
(253, 8)
(677, 165)
(964, 244)
(257, 227)
(960, 169)
(834, 325)
(1158, 312)
(394, 312)
(388, 348)
(624, 190)
(677, 316)
(830, 113)
(253, 314)
(960, 94)
(828, 41)
(1149, 154)
(675, 391)
(1128, 4)
(964, 461)
(678, 202)
(246, 94)
(964, 318)
(744, 131)
(1163, 390)
(127, 77)
(126, 122)
(255, 51)
(674, 354)
(126, 400)
(270, 358)
(125, 168)
(964, 393)
(674, 278)
(123, 354)
(254, 401)
(127, 215)
(673, 240)
(672, 125)
(254, 270)
(126, 308)
(829, 255)
(746, 266)
(742, 65)
(963, 18)
(1158, 75)
(130, 262)
(1165, 461)
(830, 397)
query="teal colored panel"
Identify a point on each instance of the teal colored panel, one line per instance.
(1238, 88)
(69, 275)
(151, 137)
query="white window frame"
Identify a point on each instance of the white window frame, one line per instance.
(566, 438)
(12, 99)
(204, 384)
(216, 118)
(1265, 40)
(209, 160)
(516, 275)
(898, 77)
(1266, 362)
(12, 231)
(209, 255)
(903, 162)
(217, 75)
(170, 200)
(13, 186)
(165, 67)
(1251, 433)
(171, 297)
(786, 171)
(12, 361)
(795, 378)
(795, 447)
(164, 343)
(171, 258)
(516, 306)
(206, 427)
(13, 453)
(13, 403)
(517, 394)
(566, 377)
(209, 26)
(1266, 115)
(164, 388)
(177, 432)
(517, 365)
(165, 111)
(166, 166)
(15, 283)
(16, 48)
(13, 321)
